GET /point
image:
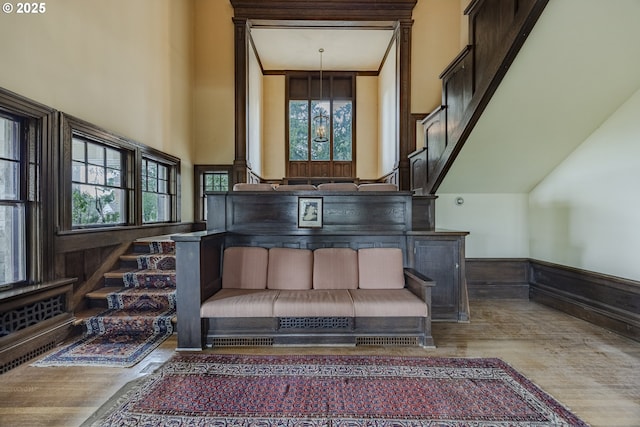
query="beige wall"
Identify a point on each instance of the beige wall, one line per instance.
(274, 150)
(213, 87)
(585, 213)
(498, 223)
(254, 115)
(435, 42)
(129, 73)
(387, 115)
(367, 150)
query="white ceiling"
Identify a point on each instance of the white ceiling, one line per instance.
(579, 64)
(345, 49)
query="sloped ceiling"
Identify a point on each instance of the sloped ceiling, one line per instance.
(579, 64)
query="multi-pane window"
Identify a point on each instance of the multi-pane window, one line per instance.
(13, 204)
(216, 181)
(98, 191)
(211, 178)
(320, 134)
(156, 198)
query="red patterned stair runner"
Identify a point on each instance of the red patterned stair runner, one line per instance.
(147, 303)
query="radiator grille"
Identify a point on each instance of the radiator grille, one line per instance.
(242, 342)
(391, 341)
(25, 316)
(316, 323)
(26, 357)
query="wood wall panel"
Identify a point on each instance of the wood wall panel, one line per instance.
(498, 278)
(610, 302)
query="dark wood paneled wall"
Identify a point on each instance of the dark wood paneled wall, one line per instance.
(497, 31)
(607, 301)
(359, 212)
(497, 278)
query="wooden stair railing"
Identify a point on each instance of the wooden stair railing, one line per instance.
(497, 31)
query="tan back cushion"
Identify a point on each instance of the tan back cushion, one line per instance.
(244, 186)
(380, 268)
(290, 269)
(335, 268)
(338, 186)
(377, 186)
(245, 268)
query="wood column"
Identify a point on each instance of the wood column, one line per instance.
(406, 143)
(241, 100)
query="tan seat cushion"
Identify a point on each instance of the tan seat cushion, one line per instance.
(239, 303)
(335, 268)
(387, 302)
(290, 268)
(245, 268)
(380, 268)
(314, 303)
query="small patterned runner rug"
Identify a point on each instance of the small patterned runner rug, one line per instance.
(230, 390)
(117, 348)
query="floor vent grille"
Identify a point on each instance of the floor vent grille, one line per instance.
(242, 342)
(26, 357)
(391, 341)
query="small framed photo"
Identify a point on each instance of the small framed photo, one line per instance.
(309, 212)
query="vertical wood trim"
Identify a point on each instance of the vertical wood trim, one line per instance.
(241, 100)
(405, 145)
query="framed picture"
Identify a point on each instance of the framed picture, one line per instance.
(309, 212)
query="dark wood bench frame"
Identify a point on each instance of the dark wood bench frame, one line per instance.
(199, 275)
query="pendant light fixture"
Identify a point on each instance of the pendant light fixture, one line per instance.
(321, 121)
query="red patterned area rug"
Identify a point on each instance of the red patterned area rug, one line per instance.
(232, 390)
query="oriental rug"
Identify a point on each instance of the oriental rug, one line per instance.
(233, 390)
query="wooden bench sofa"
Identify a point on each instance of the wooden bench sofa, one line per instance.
(328, 296)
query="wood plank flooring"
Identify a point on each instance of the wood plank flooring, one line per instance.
(593, 372)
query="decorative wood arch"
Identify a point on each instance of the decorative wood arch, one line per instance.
(347, 11)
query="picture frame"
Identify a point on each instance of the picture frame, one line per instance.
(309, 212)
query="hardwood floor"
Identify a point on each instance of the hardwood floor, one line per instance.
(593, 372)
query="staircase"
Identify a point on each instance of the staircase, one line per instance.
(139, 297)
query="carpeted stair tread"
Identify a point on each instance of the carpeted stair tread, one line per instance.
(133, 322)
(117, 273)
(150, 279)
(151, 261)
(143, 299)
(82, 316)
(102, 293)
(120, 313)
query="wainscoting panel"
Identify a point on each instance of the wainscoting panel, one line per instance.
(489, 278)
(607, 301)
